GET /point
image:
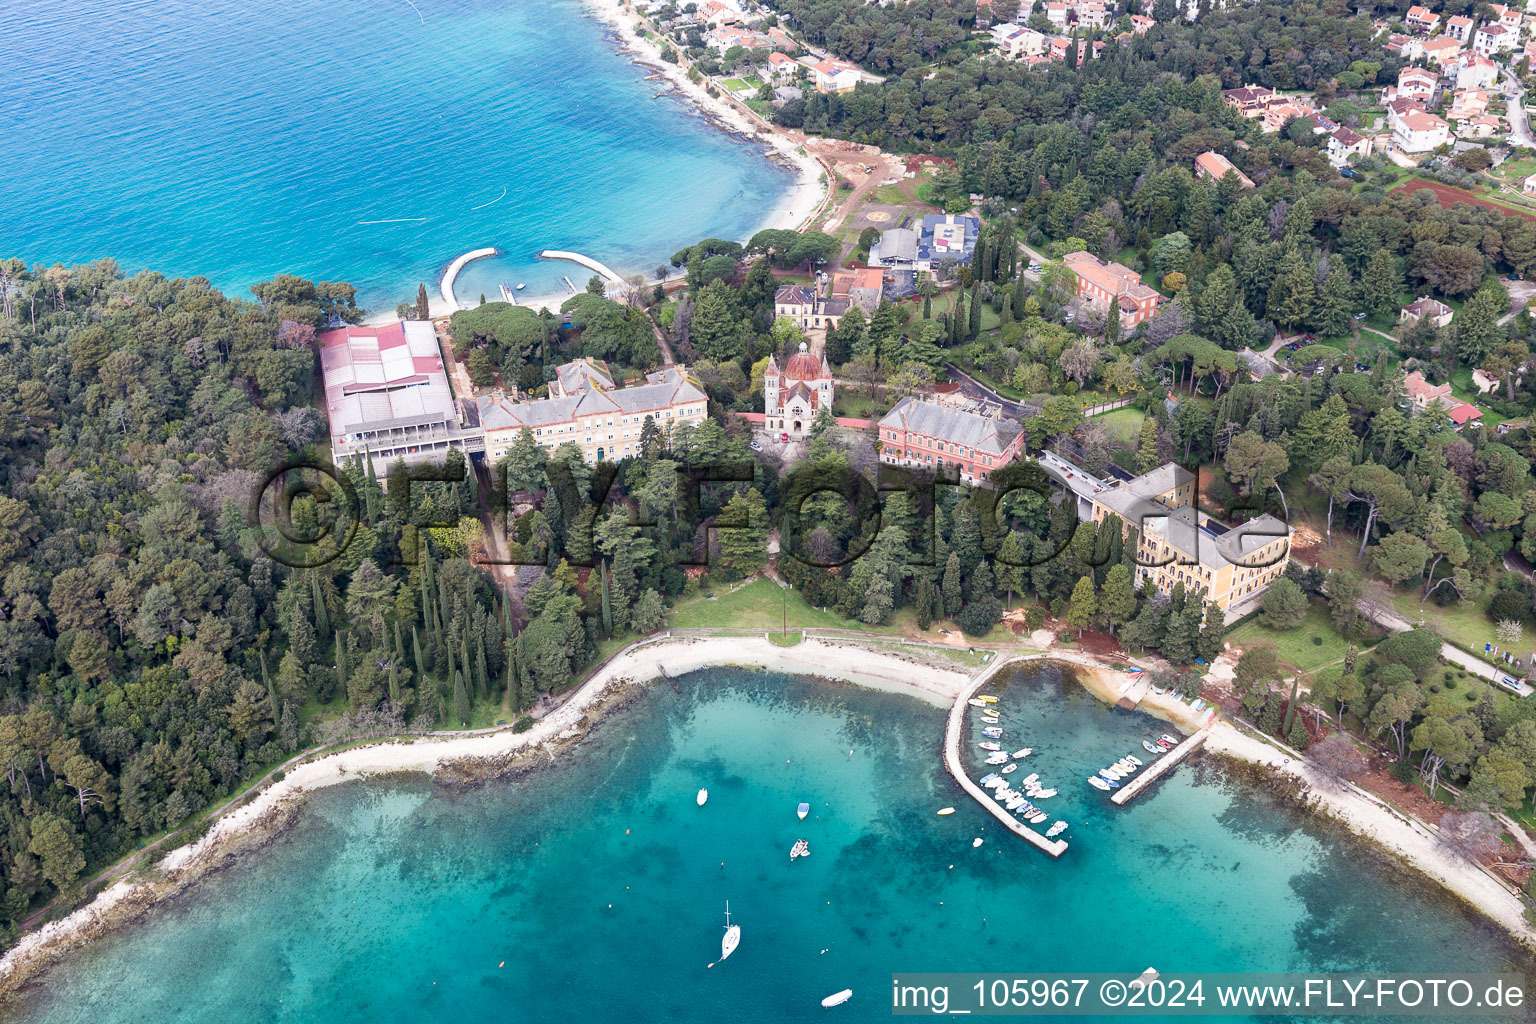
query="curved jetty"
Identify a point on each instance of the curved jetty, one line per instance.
(952, 761)
(586, 261)
(453, 272)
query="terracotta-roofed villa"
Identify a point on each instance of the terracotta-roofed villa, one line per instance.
(1100, 282)
(932, 436)
(1213, 165)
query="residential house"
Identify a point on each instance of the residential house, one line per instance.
(1509, 17)
(1480, 127)
(1406, 47)
(834, 76)
(1091, 14)
(1100, 282)
(782, 94)
(782, 40)
(1423, 396)
(1441, 51)
(387, 395)
(1056, 14)
(1464, 415)
(1459, 27)
(1426, 308)
(1213, 165)
(1399, 108)
(1467, 104)
(1345, 144)
(1414, 84)
(603, 424)
(1016, 42)
(1250, 100)
(809, 310)
(930, 435)
(1277, 115)
(1529, 185)
(794, 395)
(782, 66)
(1484, 382)
(1474, 71)
(1494, 38)
(1422, 20)
(947, 238)
(1419, 132)
(1141, 24)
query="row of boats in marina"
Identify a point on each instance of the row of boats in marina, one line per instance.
(1020, 801)
(1109, 777)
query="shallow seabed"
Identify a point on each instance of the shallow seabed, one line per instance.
(594, 888)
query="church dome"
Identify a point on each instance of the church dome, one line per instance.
(802, 366)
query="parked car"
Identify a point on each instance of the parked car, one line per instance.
(1294, 347)
(1361, 367)
(1359, 316)
(783, 437)
(1348, 172)
(1069, 317)
(754, 446)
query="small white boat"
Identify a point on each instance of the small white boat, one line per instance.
(1031, 777)
(1134, 760)
(1045, 794)
(1097, 783)
(975, 842)
(1169, 739)
(988, 778)
(732, 937)
(992, 732)
(1056, 829)
(521, 286)
(703, 796)
(988, 745)
(802, 848)
(1024, 753)
(1038, 817)
(1109, 774)
(1009, 768)
(973, 702)
(802, 811)
(1151, 747)
(838, 998)
(945, 811)
(989, 719)
(997, 758)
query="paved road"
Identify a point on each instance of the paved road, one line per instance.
(1519, 124)
(1385, 616)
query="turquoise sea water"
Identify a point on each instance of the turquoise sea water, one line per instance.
(600, 885)
(237, 140)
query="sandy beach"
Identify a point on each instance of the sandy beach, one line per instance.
(844, 660)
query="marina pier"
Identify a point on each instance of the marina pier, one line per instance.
(453, 272)
(586, 261)
(952, 761)
(1157, 769)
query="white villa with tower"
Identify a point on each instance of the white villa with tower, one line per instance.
(794, 395)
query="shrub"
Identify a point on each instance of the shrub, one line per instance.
(279, 775)
(522, 724)
(978, 617)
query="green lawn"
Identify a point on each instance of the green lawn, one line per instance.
(1462, 624)
(1295, 647)
(944, 302)
(758, 605)
(1123, 425)
(738, 84)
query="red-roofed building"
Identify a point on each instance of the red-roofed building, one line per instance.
(1100, 282)
(1422, 395)
(1213, 165)
(794, 395)
(1463, 414)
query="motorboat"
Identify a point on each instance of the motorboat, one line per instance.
(945, 812)
(1045, 794)
(802, 811)
(521, 285)
(1134, 760)
(988, 745)
(1024, 752)
(975, 842)
(802, 848)
(1170, 739)
(1031, 777)
(1038, 817)
(1009, 768)
(1151, 748)
(1056, 830)
(1097, 783)
(992, 731)
(838, 998)
(987, 697)
(973, 702)
(989, 719)
(988, 778)
(703, 796)
(997, 758)
(732, 937)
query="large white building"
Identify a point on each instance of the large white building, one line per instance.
(1419, 132)
(387, 395)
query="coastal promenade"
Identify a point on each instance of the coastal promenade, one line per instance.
(586, 261)
(952, 761)
(1159, 768)
(453, 272)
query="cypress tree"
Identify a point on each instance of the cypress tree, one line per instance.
(341, 659)
(460, 699)
(1019, 295)
(322, 614)
(1290, 708)
(924, 604)
(423, 308)
(481, 672)
(607, 600)
(974, 327)
(927, 307)
(421, 672)
(979, 258)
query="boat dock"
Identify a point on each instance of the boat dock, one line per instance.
(586, 261)
(453, 272)
(1157, 769)
(952, 761)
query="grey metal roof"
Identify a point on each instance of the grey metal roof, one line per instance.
(899, 244)
(498, 413)
(983, 433)
(1160, 480)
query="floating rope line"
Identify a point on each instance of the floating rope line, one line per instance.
(493, 202)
